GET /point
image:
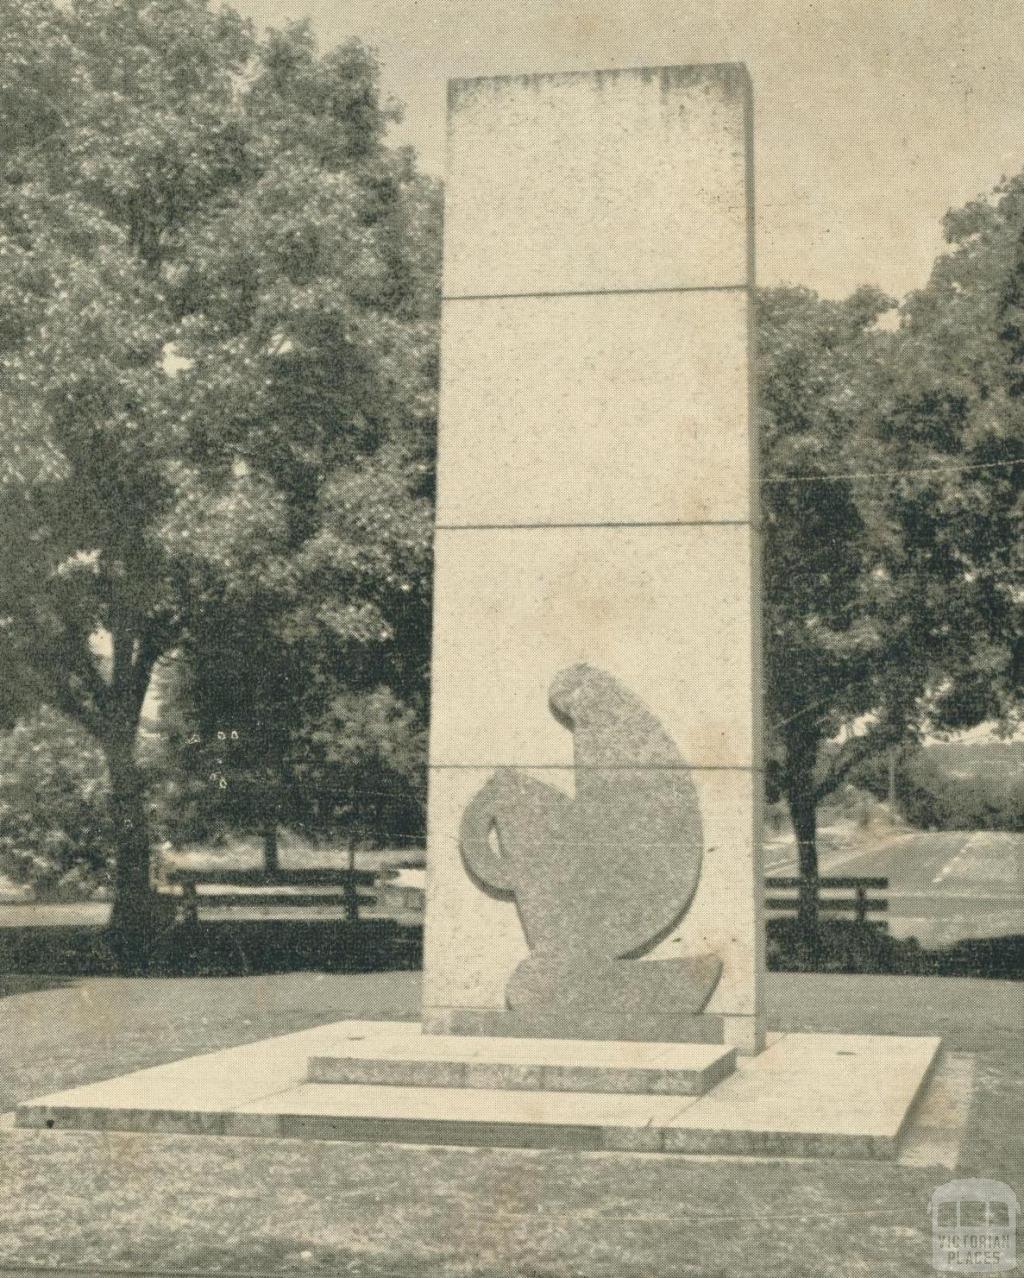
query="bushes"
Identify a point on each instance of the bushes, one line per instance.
(55, 831)
(841, 945)
(844, 946)
(954, 785)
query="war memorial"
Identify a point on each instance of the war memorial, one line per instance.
(594, 938)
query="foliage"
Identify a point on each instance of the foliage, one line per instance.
(932, 794)
(842, 945)
(367, 768)
(958, 425)
(218, 289)
(311, 754)
(256, 687)
(829, 633)
(900, 595)
(55, 831)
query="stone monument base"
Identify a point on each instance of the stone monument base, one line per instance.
(527, 1065)
(804, 1096)
(624, 1027)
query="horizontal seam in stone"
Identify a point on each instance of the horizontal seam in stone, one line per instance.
(647, 523)
(598, 292)
(611, 767)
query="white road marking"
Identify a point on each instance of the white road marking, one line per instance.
(828, 862)
(957, 861)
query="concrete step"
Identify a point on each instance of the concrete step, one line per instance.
(531, 1064)
(474, 1117)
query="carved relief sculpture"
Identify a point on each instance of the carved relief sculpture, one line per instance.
(599, 879)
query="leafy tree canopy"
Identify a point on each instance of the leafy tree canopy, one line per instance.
(218, 298)
(958, 426)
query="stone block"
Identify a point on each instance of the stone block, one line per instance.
(624, 423)
(666, 611)
(811, 1096)
(624, 1025)
(633, 179)
(165, 1118)
(541, 1065)
(381, 1071)
(505, 1076)
(633, 1140)
(265, 1126)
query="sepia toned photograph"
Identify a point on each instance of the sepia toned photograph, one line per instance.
(511, 638)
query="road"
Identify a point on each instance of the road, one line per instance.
(943, 887)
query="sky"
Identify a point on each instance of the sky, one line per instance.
(872, 117)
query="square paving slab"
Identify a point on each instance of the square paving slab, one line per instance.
(806, 1095)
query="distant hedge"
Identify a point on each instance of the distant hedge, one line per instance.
(930, 795)
(955, 787)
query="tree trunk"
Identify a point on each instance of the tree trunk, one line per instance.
(351, 894)
(801, 754)
(892, 781)
(804, 816)
(271, 864)
(134, 915)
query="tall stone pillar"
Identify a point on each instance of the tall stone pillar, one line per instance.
(597, 498)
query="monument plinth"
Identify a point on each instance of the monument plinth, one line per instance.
(596, 512)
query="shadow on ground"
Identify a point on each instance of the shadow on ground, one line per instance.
(221, 948)
(859, 948)
(30, 984)
(253, 947)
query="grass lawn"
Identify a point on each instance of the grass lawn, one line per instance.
(120, 1201)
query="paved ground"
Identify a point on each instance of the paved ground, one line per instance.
(943, 887)
(112, 1202)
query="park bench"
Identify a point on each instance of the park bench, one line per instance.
(859, 903)
(353, 889)
(398, 892)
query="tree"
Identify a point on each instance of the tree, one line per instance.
(831, 634)
(277, 719)
(367, 768)
(958, 418)
(218, 291)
